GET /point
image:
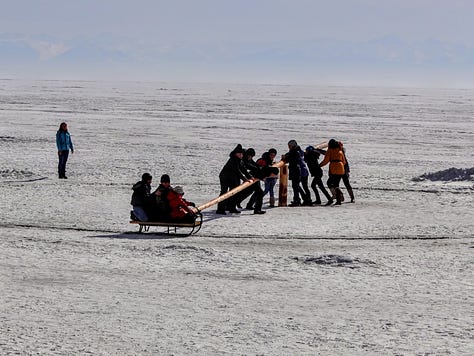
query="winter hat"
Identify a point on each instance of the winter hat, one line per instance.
(310, 148)
(250, 152)
(292, 143)
(165, 178)
(178, 190)
(238, 149)
(146, 177)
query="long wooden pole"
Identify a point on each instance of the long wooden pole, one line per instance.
(283, 186)
(244, 185)
(227, 195)
(321, 145)
(236, 190)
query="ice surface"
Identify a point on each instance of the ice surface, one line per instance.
(390, 274)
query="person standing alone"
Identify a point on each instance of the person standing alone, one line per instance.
(64, 144)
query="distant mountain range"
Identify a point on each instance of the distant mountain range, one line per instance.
(107, 54)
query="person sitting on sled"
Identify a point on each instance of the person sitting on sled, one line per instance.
(141, 199)
(180, 210)
(160, 206)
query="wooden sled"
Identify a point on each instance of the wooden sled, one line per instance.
(172, 227)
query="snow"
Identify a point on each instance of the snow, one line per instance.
(390, 274)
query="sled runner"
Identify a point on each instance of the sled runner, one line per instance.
(172, 226)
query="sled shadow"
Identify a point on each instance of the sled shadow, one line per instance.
(132, 235)
(210, 216)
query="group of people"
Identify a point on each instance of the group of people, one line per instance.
(241, 166)
(303, 163)
(166, 203)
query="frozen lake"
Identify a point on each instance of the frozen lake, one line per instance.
(390, 274)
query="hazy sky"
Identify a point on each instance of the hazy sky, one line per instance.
(243, 20)
(248, 22)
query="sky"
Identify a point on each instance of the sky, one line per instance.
(392, 41)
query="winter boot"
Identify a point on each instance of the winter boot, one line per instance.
(318, 198)
(339, 196)
(351, 194)
(272, 202)
(331, 199)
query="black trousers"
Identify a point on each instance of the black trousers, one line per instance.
(231, 203)
(297, 190)
(334, 180)
(318, 182)
(257, 195)
(62, 163)
(345, 180)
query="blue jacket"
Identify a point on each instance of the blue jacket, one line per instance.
(297, 167)
(63, 141)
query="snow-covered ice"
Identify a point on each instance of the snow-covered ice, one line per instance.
(390, 274)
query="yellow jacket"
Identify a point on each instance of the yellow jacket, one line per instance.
(335, 158)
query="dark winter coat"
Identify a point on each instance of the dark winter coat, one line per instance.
(141, 194)
(296, 165)
(234, 171)
(161, 207)
(311, 159)
(254, 169)
(347, 169)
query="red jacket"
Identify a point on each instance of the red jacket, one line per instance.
(178, 205)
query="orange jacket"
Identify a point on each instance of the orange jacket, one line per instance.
(335, 158)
